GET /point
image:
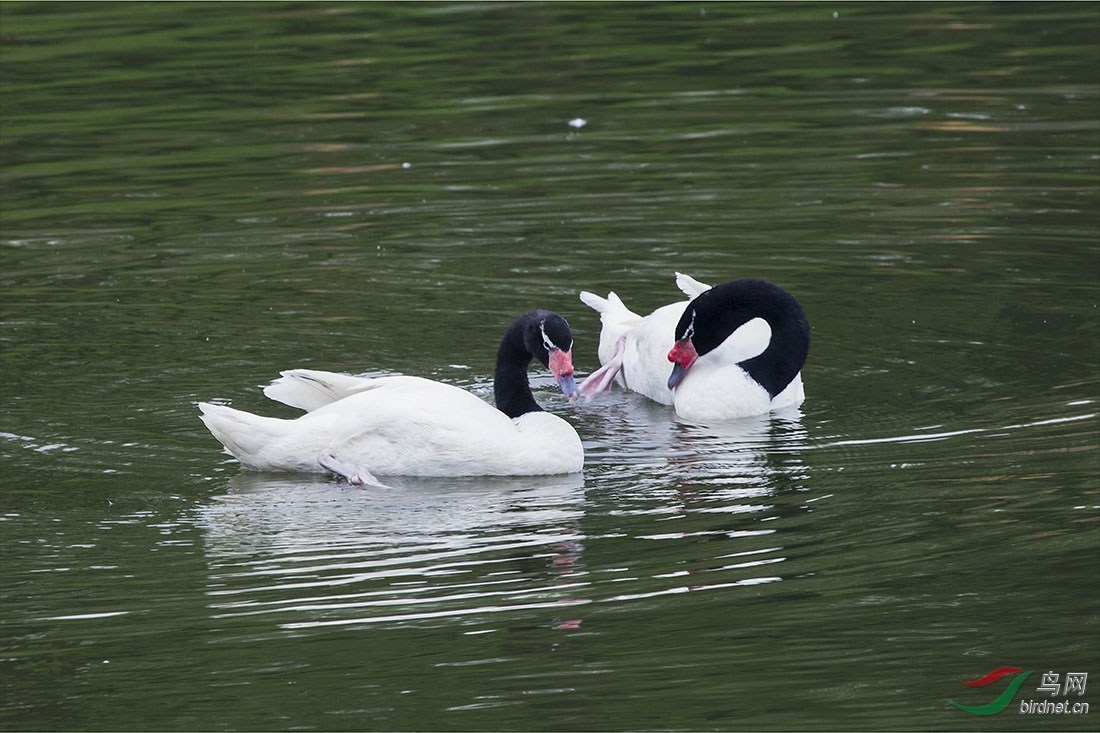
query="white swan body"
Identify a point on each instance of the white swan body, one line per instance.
(402, 426)
(635, 351)
(409, 426)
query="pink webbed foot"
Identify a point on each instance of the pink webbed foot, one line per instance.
(601, 379)
(354, 473)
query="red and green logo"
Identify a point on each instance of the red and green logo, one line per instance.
(1003, 700)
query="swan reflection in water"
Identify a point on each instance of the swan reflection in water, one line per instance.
(706, 505)
(308, 552)
(762, 453)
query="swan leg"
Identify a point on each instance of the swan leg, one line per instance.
(354, 473)
(601, 379)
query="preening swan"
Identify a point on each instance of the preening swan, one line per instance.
(737, 349)
(409, 426)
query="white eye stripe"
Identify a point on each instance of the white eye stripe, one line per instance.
(547, 342)
(690, 331)
(550, 346)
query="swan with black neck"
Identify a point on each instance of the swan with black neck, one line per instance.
(358, 427)
(736, 349)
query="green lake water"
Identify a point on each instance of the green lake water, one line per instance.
(195, 197)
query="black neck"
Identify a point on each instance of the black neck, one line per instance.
(785, 356)
(511, 391)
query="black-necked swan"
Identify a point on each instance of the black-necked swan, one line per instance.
(410, 426)
(737, 349)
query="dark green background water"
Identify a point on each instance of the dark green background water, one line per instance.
(193, 198)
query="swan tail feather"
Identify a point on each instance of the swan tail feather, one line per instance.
(243, 434)
(612, 310)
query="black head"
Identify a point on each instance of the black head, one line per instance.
(545, 336)
(710, 318)
(545, 332)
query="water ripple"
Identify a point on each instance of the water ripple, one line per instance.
(311, 553)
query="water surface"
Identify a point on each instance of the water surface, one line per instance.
(193, 199)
